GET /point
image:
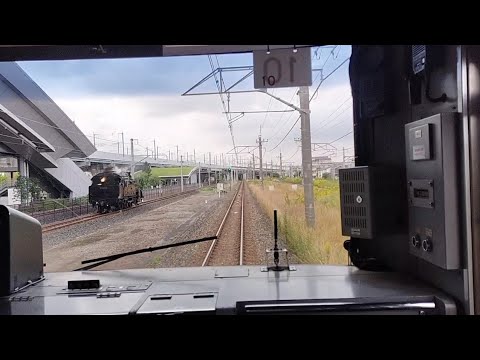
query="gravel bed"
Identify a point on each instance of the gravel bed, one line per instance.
(154, 225)
(205, 225)
(227, 247)
(70, 233)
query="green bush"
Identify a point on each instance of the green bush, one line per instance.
(293, 180)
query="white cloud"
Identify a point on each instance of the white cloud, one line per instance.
(198, 122)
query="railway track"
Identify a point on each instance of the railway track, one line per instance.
(65, 223)
(228, 248)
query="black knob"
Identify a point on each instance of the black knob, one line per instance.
(427, 244)
(416, 240)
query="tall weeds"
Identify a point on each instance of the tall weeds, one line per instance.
(322, 244)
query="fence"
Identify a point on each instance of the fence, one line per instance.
(51, 210)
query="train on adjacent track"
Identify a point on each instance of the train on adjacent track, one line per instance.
(110, 191)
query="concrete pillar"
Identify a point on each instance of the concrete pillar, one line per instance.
(23, 167)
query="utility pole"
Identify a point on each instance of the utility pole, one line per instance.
(157, 153)
(253, 165)
(177, 153)
(94, 139)
(187, 156)
(194, 158)
(281, 173)
(123, 145)
(307, 156)
(260, 141)
(154, 150)
(181, 173)
(199, 175)
(210, 158)
(343, 165)
(147, 152)
(132, 168)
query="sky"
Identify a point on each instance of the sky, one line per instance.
(143, 99)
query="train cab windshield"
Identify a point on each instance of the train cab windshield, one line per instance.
(185, 155)
(228, 162)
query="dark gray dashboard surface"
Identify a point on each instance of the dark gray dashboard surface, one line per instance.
(217, 290)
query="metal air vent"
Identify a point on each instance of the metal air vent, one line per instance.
(356, 202)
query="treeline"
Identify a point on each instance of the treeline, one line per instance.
(145, 179)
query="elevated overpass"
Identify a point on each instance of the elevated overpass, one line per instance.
(100, 161)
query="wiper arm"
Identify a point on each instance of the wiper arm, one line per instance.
(106, 259)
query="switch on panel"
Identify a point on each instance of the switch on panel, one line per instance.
(432, 179)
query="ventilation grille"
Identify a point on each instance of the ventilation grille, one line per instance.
(355, 202)
(419, 53)
(418, 50)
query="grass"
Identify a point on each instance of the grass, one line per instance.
(208, 189)
(50, 204)
(322, 244)
(156, 262)
(171, 171)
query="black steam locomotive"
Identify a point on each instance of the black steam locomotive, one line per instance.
(110, 191)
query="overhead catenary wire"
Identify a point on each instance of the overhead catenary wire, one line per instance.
(323, 66)
(325, 78)
(341, 121)
(67, 131)
(279, 128)
(51, 126)
(63, 130)
(36, 143)
(268, 108)
(330, 122)
(221, 77)
(225, 109)
(341, 137)
(333, 112)
(295, 153)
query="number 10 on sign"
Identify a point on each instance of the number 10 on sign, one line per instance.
(282, 68)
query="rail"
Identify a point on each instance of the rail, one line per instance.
(240, 191)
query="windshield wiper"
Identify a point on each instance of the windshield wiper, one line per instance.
(106, 259)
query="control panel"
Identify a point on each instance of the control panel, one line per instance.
(225, 290)
(432, 158)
